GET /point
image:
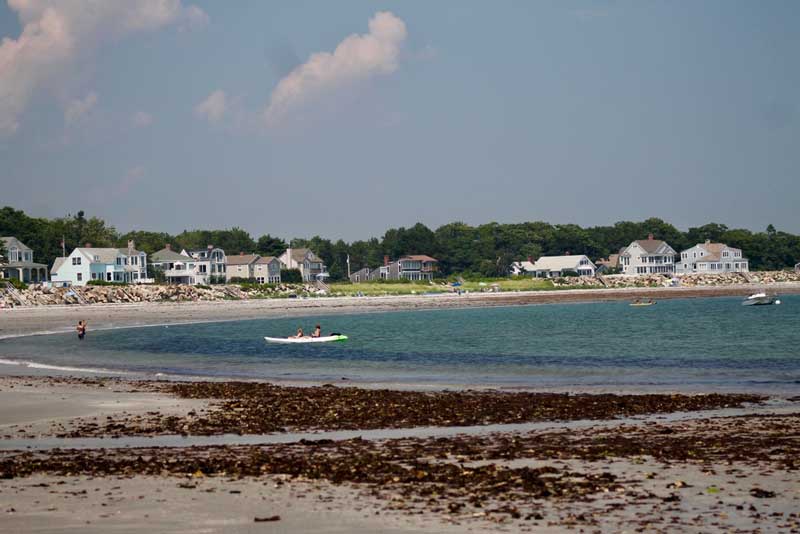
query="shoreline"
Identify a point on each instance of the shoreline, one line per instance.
(26, 321)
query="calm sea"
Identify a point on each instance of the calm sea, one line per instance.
(693, 343)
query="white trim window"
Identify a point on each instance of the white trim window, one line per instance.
(76, 260)
(80, 277)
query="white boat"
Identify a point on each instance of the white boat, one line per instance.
(760, 299)
(307, 339)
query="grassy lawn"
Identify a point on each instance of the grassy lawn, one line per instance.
(372, 289)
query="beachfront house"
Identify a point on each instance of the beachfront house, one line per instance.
(241, 266)
(521, 268)
(18, 262)
(121, 265)
(267, 270)
(310, 265)
(412, 267)
(556, 266)
(647, 256)
(178, 268)
(361, 275)
(211, 264)
(605, 265)
(711, 257)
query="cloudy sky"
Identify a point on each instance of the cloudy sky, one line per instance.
(346, 118)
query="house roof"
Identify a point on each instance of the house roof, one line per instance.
(266, 259)
(299, 254)
(105, 255)
(714, 251)
(650, 245)
(16, 243)
(56, 264)
(560, 263)
(242, 259)
(528, 266)
(166, 254)
(418, 257)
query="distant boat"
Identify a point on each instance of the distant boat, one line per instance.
(760, 299)
(650, 303)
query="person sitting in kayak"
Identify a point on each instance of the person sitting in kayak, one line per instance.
(317, 332)
(299, 331)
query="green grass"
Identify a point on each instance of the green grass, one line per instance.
(385, 288)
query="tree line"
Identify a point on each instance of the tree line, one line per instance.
(484, 250)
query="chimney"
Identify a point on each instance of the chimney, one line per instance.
(530, 259)
(168, 246)
(386, 260)
(567, 253)
(649, 237)
(88, 245)
(241, 253)
(708, 241)
(210, 247)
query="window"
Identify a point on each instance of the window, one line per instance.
(94, 276)
(108, 277)
(96, 258)
(134, 260)
(80, 277)
(76, 260)
(119, 261)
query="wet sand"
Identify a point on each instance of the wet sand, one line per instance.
(729, 466)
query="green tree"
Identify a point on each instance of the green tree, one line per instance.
(270, 246)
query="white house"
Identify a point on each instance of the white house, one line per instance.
(178, 268)
(647, 256)
(711, 257)
(267, 270)
(108, 264)
(211, 264)
(19, 263)
(555, 266)
(310, 265)
(519, 268)
(241, 266)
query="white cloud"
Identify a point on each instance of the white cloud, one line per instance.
(79, 108)
(58, 33)
(142, 119)
(356, 58)
(212, 108)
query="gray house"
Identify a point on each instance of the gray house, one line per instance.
(19, 263)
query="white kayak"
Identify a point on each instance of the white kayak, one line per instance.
(306, 339)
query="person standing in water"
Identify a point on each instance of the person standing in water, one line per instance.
(81, 329)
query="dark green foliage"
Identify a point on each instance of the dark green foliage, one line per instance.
(569, 273)
(270, 246)
(486, 250)
(18, 284)
(291, 276)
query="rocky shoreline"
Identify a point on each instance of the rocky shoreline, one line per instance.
(39, 295)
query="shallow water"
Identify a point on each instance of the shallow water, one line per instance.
(703, 343)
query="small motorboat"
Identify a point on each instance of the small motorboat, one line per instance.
(649, 303)
(760, 299)
(307, 339)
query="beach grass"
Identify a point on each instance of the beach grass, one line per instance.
(419, 288)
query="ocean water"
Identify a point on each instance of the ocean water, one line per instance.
(692, 343)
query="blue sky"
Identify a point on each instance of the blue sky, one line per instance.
(168, 115)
